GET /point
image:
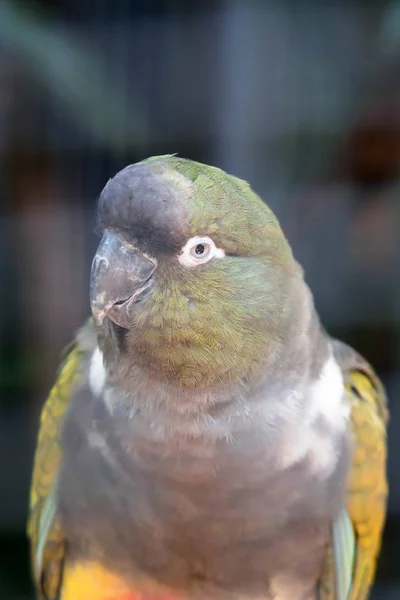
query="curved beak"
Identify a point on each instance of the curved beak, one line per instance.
(120, 277)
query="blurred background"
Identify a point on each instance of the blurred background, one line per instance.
(300, 98)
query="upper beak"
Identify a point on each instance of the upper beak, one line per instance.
(120, 274)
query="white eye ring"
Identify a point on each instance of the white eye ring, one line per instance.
(199, 250)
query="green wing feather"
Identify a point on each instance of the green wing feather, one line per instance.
(44, 528)
(344, 545)
(357, 532)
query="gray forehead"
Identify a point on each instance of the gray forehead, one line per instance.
(148, 206)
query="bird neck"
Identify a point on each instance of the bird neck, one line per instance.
(170, 371)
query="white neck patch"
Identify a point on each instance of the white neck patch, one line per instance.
(325, 399)
(326, 394)
(97, 372)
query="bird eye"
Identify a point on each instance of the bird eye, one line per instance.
(199, 250)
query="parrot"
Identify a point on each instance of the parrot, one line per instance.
(205, 438)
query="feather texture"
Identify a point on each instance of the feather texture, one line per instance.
(44, 528)
(356, 551)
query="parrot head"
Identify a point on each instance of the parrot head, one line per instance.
(193, 278)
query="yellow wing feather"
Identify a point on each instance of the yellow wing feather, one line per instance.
(367, 485)
(44, 529)
(367, 489)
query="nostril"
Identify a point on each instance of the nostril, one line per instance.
(120, 302)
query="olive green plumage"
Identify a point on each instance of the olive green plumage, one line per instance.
(197, 321)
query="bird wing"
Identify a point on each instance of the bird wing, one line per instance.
(357, 531)
(44, 527)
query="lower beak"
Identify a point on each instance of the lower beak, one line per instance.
(120, 277)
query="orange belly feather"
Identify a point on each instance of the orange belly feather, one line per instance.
(91, 581)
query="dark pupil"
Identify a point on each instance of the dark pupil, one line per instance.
(200, 249)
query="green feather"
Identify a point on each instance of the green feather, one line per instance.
(344, 552)
(45, 524)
